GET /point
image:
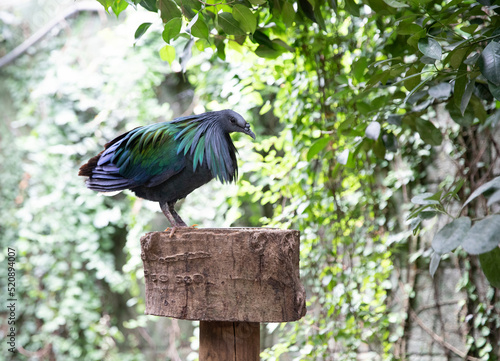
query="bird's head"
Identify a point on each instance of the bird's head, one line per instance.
(233, 122)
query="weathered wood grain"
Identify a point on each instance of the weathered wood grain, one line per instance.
(235, 341)
(224, 274)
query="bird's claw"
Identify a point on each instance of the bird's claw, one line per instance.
(172, 231)
(174, 228)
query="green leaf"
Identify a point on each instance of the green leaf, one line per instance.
(427, 214)
(396, 4)
(457, 186)
(440, 91)
(261, 38)
(141, 30)
(229, 24)
(414, 39)
(317, 147)
(359, 67)
(408, 29)
(490, 264)
(379, 149)
(478, 108)
(288, 14)
(461, 81)
(167, 53)
(483, 236)
(172, 29)
(257, 2)
(282, 44)
(168, 10)
(380, 6)
(464, 120)
(374, 79)
(469, 29)
(190, 4)
(494, 198)
(266, 52)
(430, 48)
(189, 8)
(495, 90)
(426, 60)
(457, 57)
(118, 6)
(492, 184)
(149, 5)
(428, 132)
(307, 8)
(451, 236)
(199, 28)
(265, 108)
(352, 8)
(424, 199)
(412, 78)
(245, 17)
(221, 49)
(471, 60)
(435, 259)
(319, 17)
(466, 96)
(489, 63)
(106, 4)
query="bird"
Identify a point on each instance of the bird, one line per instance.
(164, 162)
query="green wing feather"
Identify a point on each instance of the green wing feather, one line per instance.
(148, 155)
(151, 154)
(205, 142)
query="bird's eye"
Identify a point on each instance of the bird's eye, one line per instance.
(232, 120)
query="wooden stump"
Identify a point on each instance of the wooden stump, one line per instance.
(236, 276)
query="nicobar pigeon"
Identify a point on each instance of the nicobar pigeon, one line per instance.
(164, 162)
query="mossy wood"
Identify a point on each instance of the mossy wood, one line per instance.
(224, 274)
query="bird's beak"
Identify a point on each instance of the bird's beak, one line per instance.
(248, 131)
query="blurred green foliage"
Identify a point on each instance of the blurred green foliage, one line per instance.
(78, 266)
(347, 100)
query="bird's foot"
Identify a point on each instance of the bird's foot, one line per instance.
(174, 228)
(172, 231)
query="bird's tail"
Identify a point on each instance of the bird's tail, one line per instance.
(103, 175)
(87, 169)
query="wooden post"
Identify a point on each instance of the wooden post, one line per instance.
(229, 341)
(230, 279)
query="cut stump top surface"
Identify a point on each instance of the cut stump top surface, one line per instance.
(224, 274)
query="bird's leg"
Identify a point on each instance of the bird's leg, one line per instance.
(178, 220)
(166, 211)
(172, 216)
